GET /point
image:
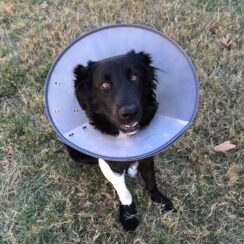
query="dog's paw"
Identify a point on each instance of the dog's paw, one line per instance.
(167, 203)
(127, 217)
(130, 224)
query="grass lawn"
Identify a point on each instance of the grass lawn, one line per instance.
(46, 198)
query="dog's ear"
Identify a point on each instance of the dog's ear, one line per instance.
(82, 83)
(146, 61)
(142, 56)
(80, 72)
(83, 72)
(146, 58)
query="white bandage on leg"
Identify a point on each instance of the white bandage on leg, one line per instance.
(118, 181)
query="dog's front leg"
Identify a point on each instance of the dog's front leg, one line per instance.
(146, 169)
(127, 207)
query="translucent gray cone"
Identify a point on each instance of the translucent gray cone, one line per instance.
(177, 93)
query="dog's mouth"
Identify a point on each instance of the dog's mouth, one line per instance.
(130, 127)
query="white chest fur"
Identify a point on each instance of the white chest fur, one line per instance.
(132, 170)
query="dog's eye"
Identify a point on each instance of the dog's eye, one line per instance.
(133, 78)
(105, 85)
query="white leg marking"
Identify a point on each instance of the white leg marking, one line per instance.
(118, 181)
(132, 170)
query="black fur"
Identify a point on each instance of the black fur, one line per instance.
(103, 107)
(127, 217)
(88, 98)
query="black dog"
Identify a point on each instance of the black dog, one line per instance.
(118, 96)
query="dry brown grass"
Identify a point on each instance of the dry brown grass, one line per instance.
(46, 198)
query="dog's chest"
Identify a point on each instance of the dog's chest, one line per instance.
(132, 170)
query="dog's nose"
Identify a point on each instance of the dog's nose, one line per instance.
(128, 111)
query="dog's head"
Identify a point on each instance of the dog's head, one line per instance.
(118, 93)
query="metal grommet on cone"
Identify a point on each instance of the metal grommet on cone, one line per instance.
(177, 93)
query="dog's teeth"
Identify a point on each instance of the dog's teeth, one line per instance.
(131, 125)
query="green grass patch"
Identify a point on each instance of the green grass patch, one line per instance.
(46, 198)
